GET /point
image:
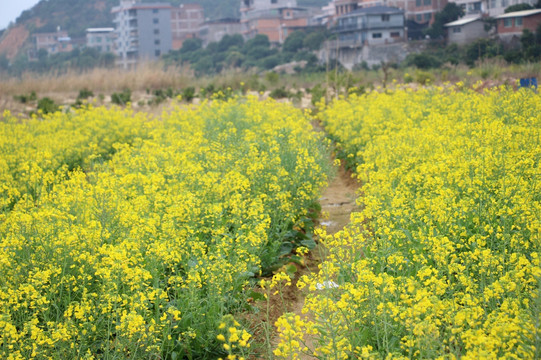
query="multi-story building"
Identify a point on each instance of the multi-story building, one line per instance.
(53, 43)
(143, 31)
(490, 8)
(370, 26)
(102, 39)
(423, 11)
(274, 18)
(185, 22)
(418, 11)
(345, 6)
(215, 30)
(372, 35)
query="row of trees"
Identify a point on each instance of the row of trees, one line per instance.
(233, 52)
(81, 59)
(528, 51)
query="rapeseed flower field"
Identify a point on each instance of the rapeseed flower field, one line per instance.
(125, 236)
(129, 237)
(443, 260)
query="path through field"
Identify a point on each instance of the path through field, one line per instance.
(337, 204)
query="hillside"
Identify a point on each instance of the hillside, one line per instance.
(77, 15)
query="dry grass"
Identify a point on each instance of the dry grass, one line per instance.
(63, 88)
(147, 76)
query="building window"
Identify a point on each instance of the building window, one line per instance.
(427, 2)
(457, 29)
(419, 17)
(504, 3)
(376, 35)
(274, 1)
(157, 53)
(428, 16)
(418, 2)
(518, 21)
(507, 22)
(156, 31)
(157, 42)
(385, 17)
(154, 11)
(155, 20)
(395, 34)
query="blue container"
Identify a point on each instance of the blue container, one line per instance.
(528, 82)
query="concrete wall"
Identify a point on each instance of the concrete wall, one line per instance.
(154, 32)
(215, 31)
(372, 55)
(376, 21)
(467, 33)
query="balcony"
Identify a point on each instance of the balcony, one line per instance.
(348, 27)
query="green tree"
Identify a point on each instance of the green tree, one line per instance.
(314, 40)
(518, 7)
(191, 45)
(229, 41)
(423, 61)
(259, 40)
(481, 49)
(450, 12)
(294, 42)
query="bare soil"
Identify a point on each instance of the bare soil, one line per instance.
(337, 203)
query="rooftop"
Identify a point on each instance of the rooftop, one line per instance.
(223, 21)
(96, 30)
(463, 21)
(375, 10)
(522, 13)
(141, 6)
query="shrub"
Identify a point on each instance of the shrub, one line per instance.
(84, 94)
(423, 61)
(47, 106)
(317, 92)
(25, 98)
(188, 94)
(423, 77)
(408, 78)
(272, 77)
(279, 93)
(121, 98)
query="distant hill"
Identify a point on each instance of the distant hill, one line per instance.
(75, 16)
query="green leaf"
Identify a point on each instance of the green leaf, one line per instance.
(296, 259)
(285, 249)
(309, 243)
(291, 269)
(255, 295)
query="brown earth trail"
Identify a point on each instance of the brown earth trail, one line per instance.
(337, 203)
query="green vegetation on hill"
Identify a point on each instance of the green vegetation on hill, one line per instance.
(75, 16)
(233, 52)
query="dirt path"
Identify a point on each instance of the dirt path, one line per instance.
(337, 203)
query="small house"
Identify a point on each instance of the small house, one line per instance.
(466, 30)
(512, 24)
